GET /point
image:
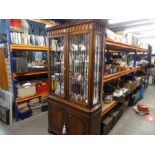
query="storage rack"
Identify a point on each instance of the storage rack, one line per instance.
(15, 47)
(117, 47)
(110, 77)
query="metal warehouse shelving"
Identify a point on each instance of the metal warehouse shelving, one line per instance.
(18, 100)
(107, 107)
(110, 44)
(17, 48)
(15, 75)
(14, 47)
(117, 47)
(122, 73)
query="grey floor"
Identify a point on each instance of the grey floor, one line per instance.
(133, 124)
(129, 124)
(35, 125)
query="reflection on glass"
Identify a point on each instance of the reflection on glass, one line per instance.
(57, 65)
(97, 65)
(78, 68)
(29, 61)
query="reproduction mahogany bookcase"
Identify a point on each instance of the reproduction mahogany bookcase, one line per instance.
(75, 60)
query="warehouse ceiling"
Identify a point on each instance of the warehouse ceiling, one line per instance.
(143, 28)
(60, 21)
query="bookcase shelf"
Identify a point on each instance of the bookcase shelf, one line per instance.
(18, 100)
(14, 47)
(110, 44)
(15, 75)
(107, 107)
(44, 22)
(122, 73)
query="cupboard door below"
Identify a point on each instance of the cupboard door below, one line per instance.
(76, 125)
(56, 119)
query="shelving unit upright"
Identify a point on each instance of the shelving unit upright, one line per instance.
(118, 47)
(17, 48)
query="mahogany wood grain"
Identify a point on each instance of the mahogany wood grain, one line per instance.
(75, 116)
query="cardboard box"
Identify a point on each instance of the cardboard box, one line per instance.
(106, 125)
(26, 90)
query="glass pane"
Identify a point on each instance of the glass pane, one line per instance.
(78, 68)
(57, 65)
(29, 61)
(97, 65)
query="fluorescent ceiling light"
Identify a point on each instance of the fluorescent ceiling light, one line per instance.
(150, 21)
(141, 28)
(147, 32)
(148, 40)
(115, 21)
(146, 35)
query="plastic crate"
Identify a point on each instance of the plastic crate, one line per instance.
(16, 23)
(125, 106)
(25, 115)
(25, 91)
(44, 108)
(42, 86)
(138, 96)
(119, 107)
(106, 124)
(116, 114)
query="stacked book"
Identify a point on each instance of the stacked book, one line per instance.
(44, 103)
(23, 107)
(26, 39)
(35, 105)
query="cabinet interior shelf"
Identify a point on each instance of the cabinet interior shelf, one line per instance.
(107, 107)
(14, 47)
(18, 100)
(113, 45)
(122, 73)
(29, 73)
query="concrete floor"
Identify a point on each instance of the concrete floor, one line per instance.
(129, 124)
(35, 125)
(133, 124)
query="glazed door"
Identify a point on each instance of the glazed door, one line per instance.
(98, 64)
(56, 118)
(78, 68)
(57, 63)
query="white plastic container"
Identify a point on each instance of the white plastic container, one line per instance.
(26, 90)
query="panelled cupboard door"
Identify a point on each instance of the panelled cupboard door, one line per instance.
(76, 125)
(56, 119)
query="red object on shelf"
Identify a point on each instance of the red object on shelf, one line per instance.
(42, 86)
(15, 23)
(143, 107)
